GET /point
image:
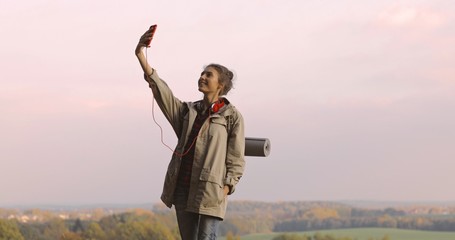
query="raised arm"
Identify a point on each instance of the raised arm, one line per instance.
(170, 105)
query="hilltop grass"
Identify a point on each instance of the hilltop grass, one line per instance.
(366, 233)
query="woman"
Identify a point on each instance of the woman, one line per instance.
(208, 160)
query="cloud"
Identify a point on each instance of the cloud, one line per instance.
(419, 17)
(45, 102)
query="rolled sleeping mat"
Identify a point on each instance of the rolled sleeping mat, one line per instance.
(257, 147)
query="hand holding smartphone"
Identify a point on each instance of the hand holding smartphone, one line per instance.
(152, 31)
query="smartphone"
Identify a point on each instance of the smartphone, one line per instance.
(153, 28)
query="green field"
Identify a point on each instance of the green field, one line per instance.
(366, 233)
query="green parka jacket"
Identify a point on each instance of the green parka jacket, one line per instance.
(218, 156)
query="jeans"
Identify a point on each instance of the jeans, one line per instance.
(193, 226)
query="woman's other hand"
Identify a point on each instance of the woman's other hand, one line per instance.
(226, 190)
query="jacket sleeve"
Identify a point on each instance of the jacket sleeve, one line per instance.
(235, 158)
(171, 106)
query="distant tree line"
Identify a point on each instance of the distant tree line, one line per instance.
(243, 217)
(362, 218)
(318, 236)
(135, 225)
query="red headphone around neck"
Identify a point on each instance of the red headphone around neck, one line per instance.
(216, 106)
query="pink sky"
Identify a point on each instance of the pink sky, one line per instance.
(357, 97)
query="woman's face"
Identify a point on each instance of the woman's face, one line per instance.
(208, 82)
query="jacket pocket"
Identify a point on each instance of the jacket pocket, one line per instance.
(218, 126)
(219, 120)
(211, 187)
